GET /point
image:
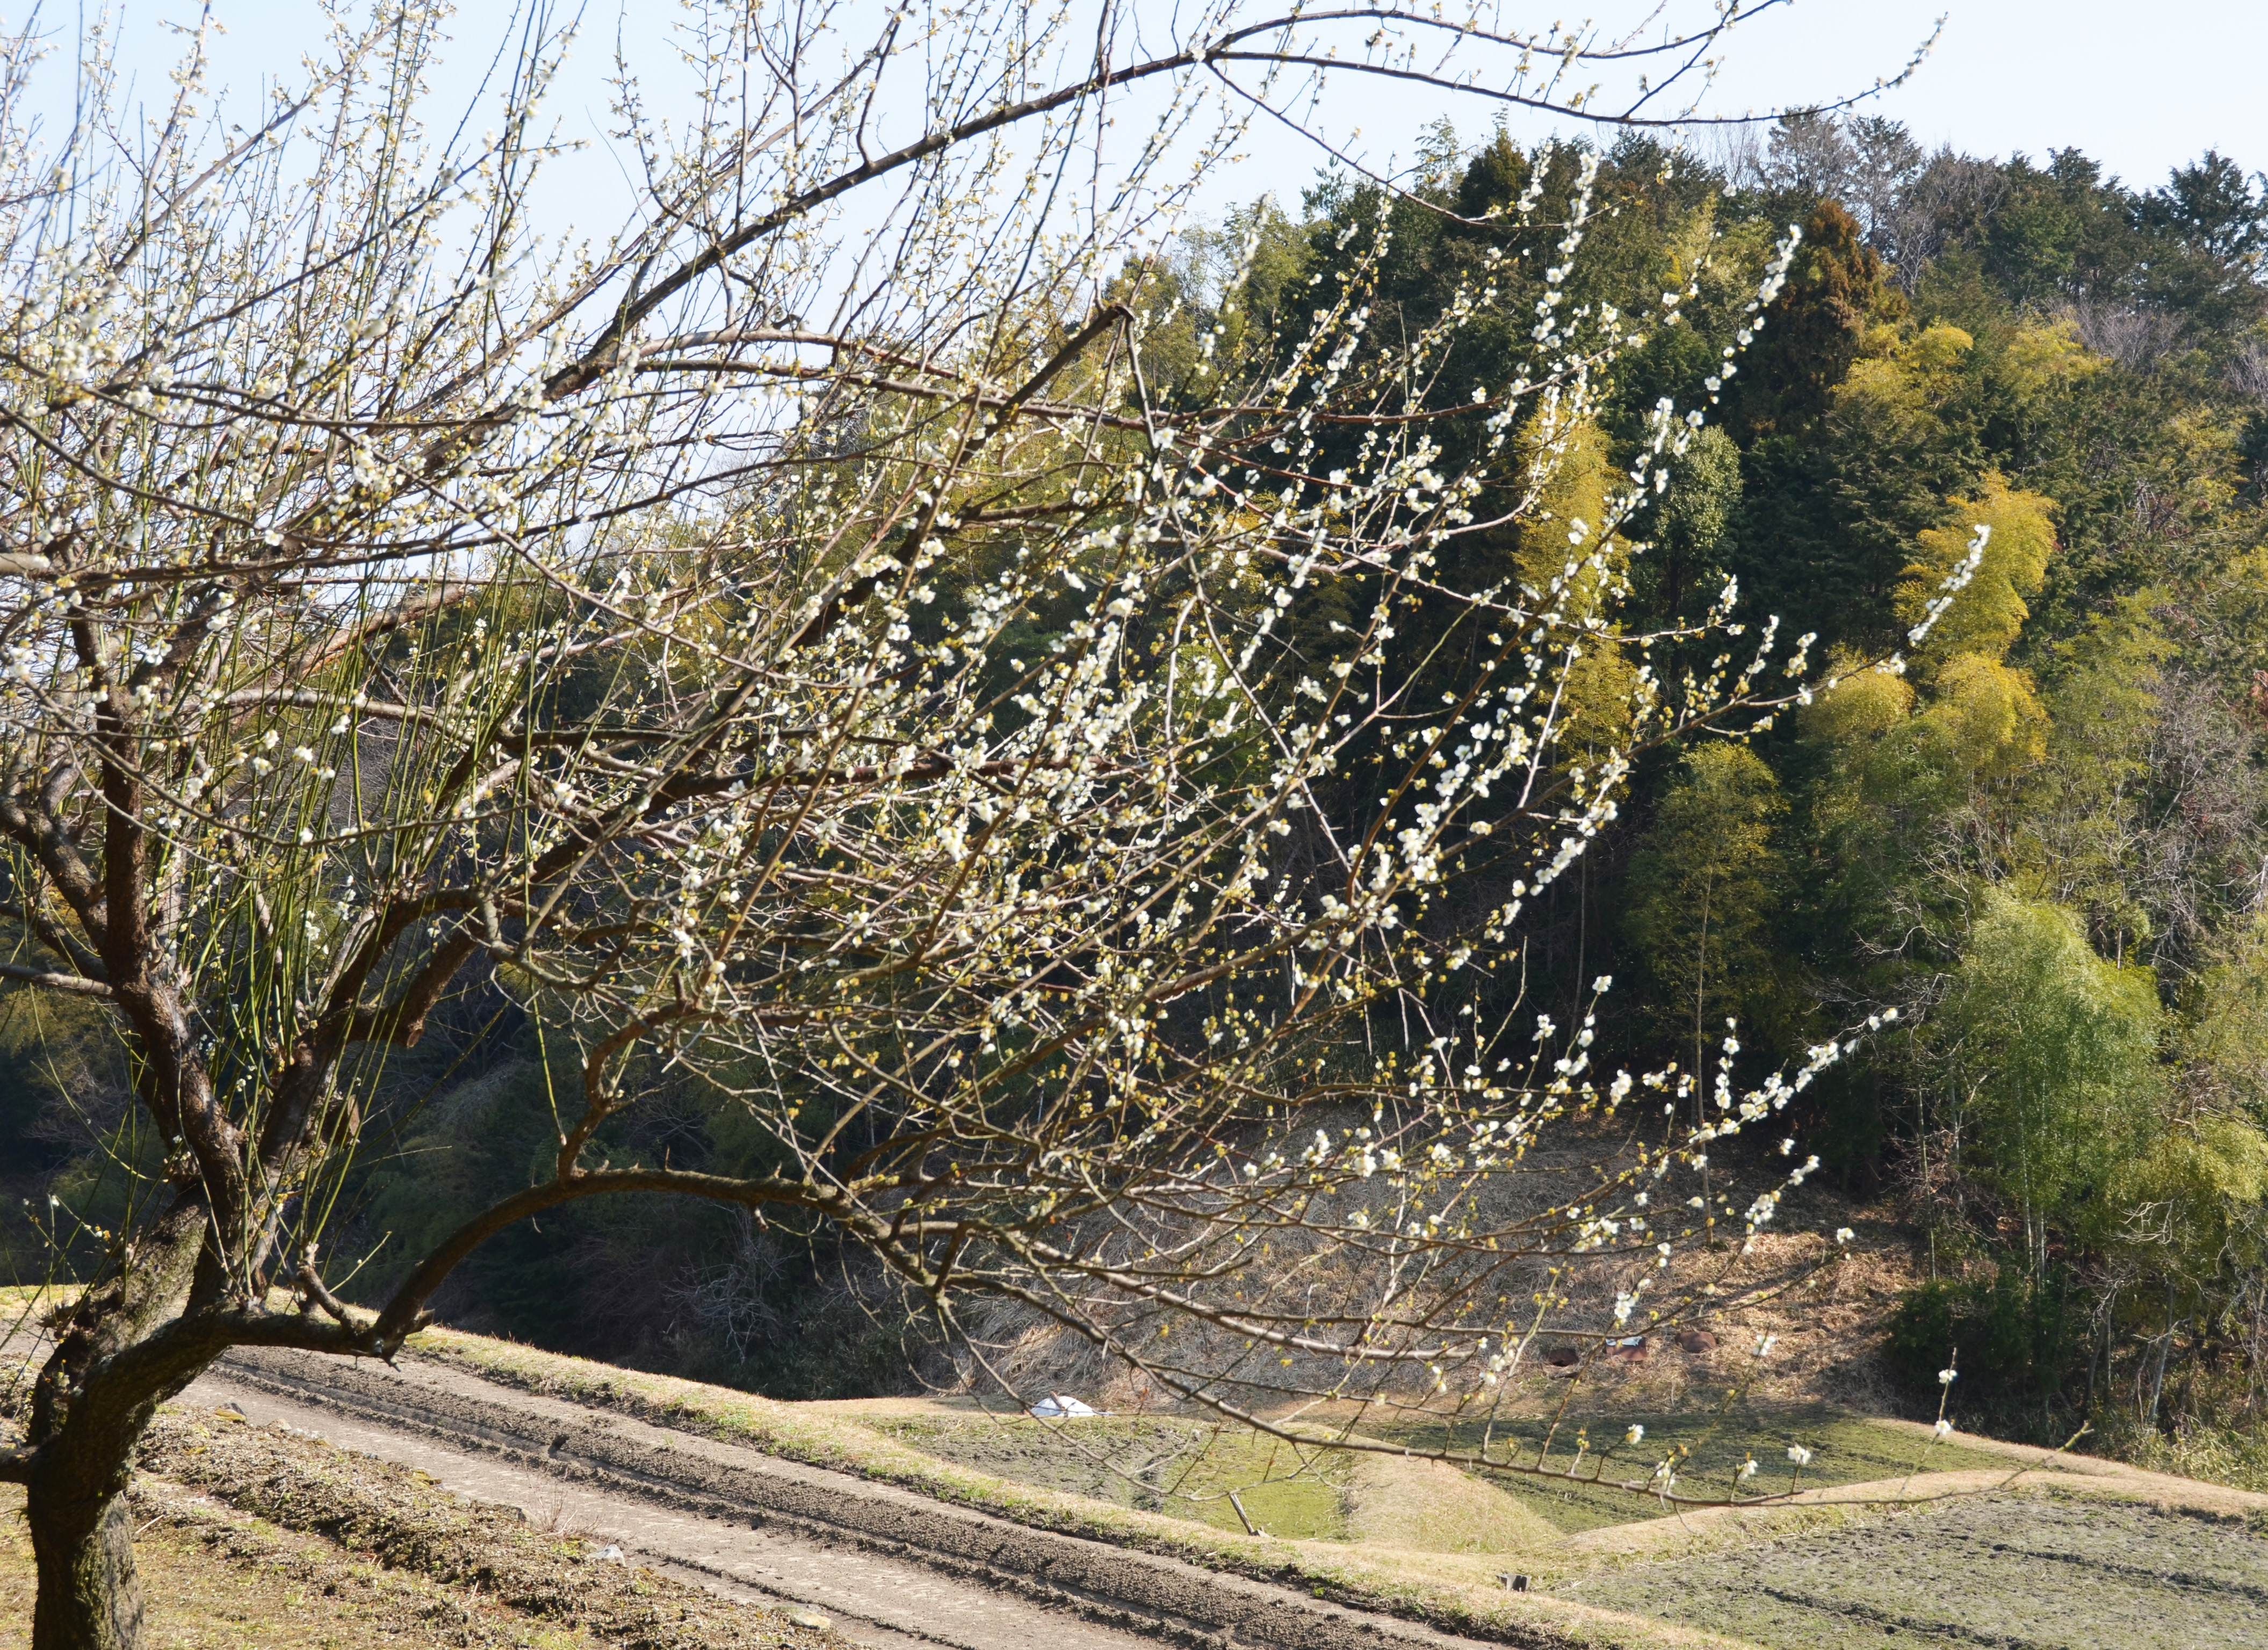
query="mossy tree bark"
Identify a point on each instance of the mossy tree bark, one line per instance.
(90, 1597)
(122, 1348)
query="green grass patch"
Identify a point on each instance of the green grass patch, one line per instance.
(1844, 1449)
(1155, 1464)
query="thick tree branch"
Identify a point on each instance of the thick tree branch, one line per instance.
(400, 1316)
(76, 985)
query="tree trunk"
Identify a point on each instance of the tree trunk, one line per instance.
(96, 1394)
(82, 1543)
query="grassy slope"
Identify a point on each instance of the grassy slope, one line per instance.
(1846, 1449)
(215, 1579)
(1403, 1534)
(1427, 1540)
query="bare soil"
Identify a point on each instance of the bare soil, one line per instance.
(326, 1475)
(2039, 1571)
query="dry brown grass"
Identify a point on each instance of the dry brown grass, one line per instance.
(1426, 1506)
(215, 1578)
(1824, 1303)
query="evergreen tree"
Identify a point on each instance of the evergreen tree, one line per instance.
(1815, 328)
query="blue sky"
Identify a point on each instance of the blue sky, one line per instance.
(2141, 88)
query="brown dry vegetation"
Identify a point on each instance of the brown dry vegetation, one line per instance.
(220, 1579)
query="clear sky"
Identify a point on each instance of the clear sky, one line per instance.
(2141, 87)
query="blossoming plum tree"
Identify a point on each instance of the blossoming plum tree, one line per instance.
(792, 645)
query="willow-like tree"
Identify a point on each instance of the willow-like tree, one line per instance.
(789, 642)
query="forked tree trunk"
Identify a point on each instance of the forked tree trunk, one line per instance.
(96, 1395)
(82, 1543)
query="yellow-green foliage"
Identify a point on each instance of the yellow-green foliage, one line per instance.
(1898, 385)
(1563, 540)
(1990, 720)
(1862, 704)
(2198, 1190)
(2228, 1038)
(1208, 306)
(1704, 886)
(1979, 719)
(2042, 358)
(2243, 594)
(2058, 1046)
(1987, 617)
(2083, 810)
(1570, 458)
(1595, 699)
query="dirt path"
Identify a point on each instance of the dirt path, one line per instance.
(893, 1569)
(871, 1600)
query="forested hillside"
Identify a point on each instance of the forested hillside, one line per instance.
(2040, 837)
